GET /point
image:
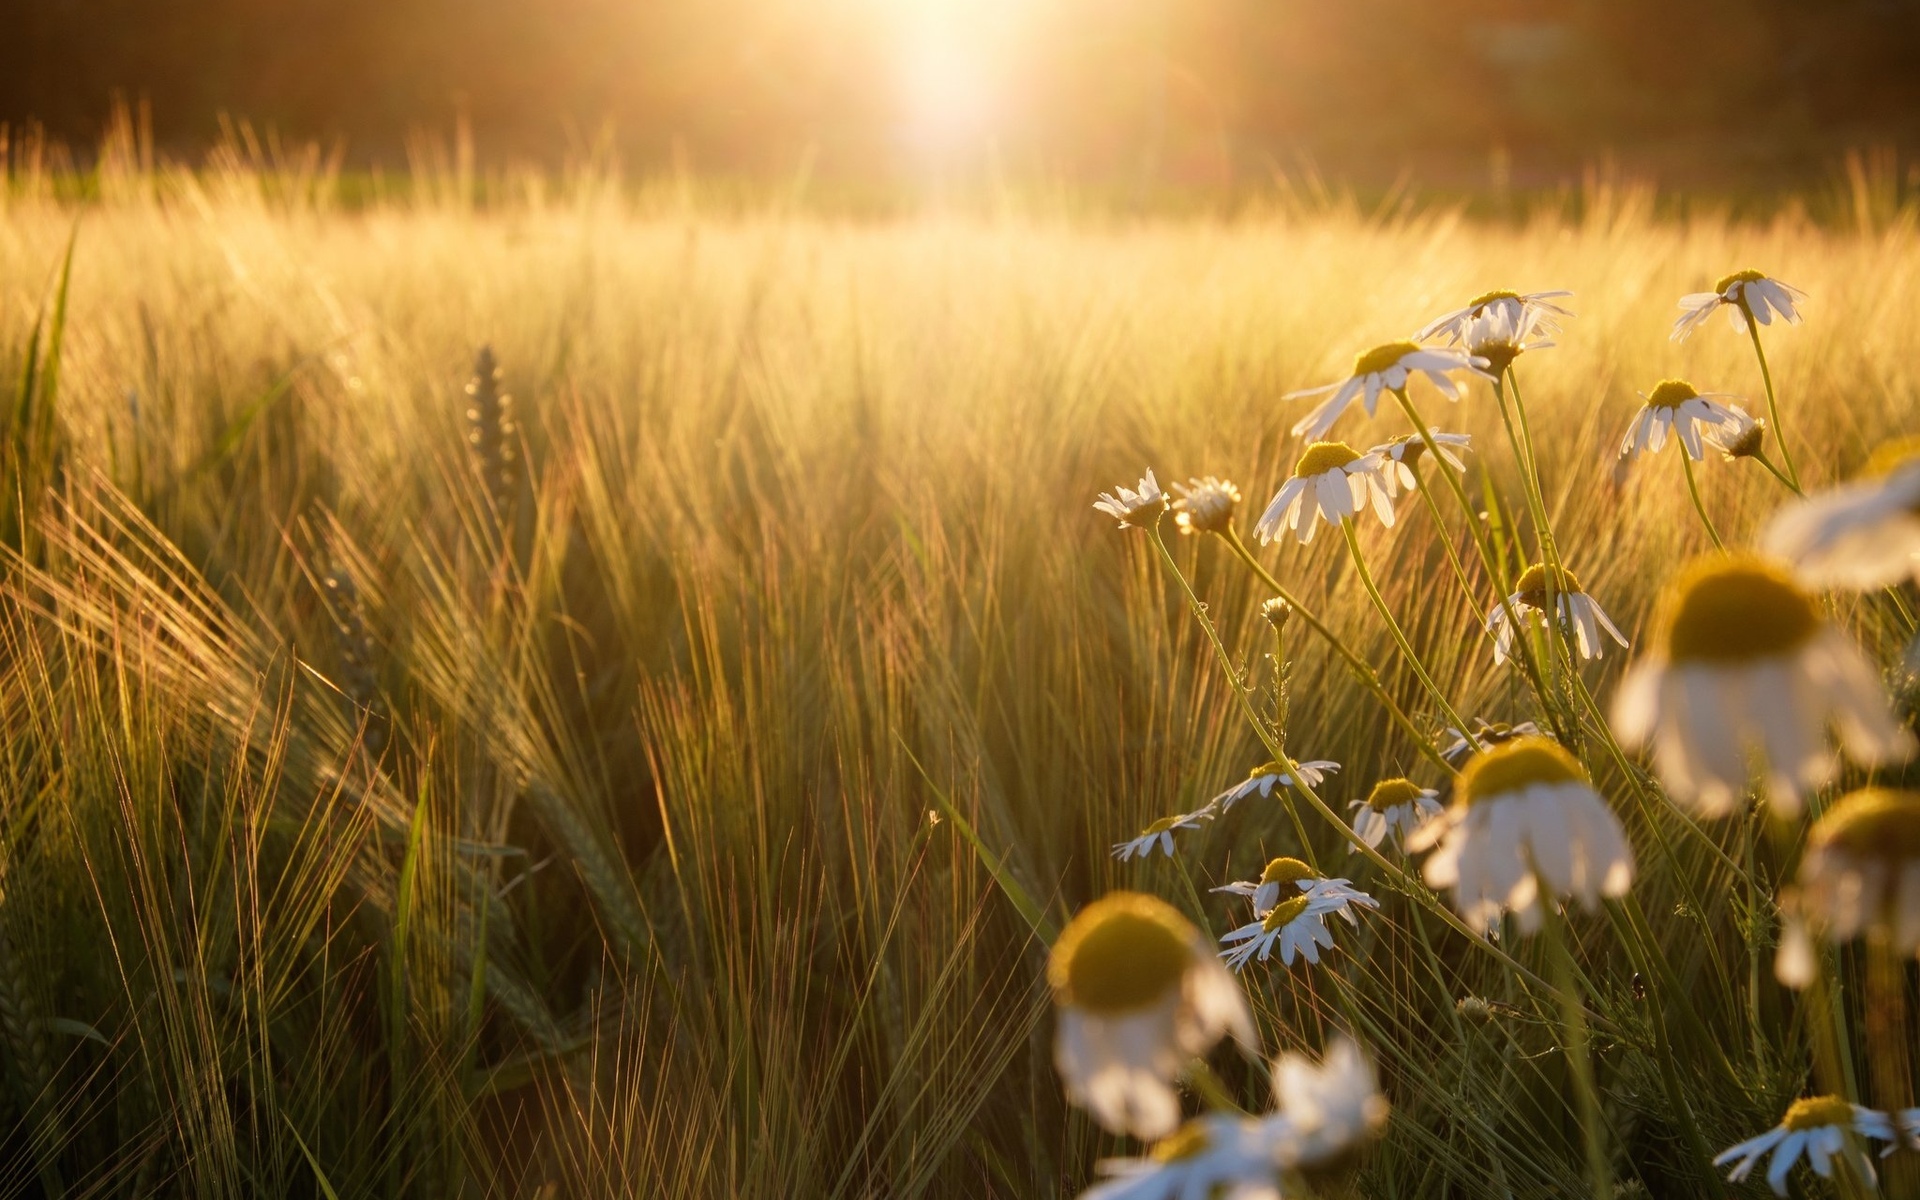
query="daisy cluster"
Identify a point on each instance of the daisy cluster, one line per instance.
(1743, 693)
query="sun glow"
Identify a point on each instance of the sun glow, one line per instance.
(952, 77)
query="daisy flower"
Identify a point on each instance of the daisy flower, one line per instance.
(1747, 295)
(1159, 834)
(1487, 733)
(1674, 407)
(1285, 875)
(1396, 806)
(1515, 307)
(1136, 509)
(1332, 481)
(1861, 535)
(1205, 505)
(1140, 994)
(1860, 874)
(1269, 775)
(1297, 926)
(1578, 612)
(1740, 437)
(1382, 369)
(1745, 673)
(1525, 818)
(1217, 1155)
(1327, 1110)
(1501, 334)
(1815, 1127)
(1397, 458)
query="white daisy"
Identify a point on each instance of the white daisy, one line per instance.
(1205, 505)
(1331, 482)
(1525, 818)
(1815, 1127)
(1382, 369)
(1486, 733)
(1515, 307)
(1290, 875)
(1861, 535)
(1215, 1156)
(1267, 776)
(1745, 674)
(1674, 407)
(1746, 295)
(1397, 458)
(1297, 926)
(1861, 871)
(1396, 806)
(1159, 834)
(1140, 995)
(1579, 613)
(1741, 436)
(1501, 334)
(1136, 509)
(1329, 1110)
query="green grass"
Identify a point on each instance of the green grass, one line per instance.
(694, 822)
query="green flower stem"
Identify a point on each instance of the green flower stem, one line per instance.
(1774, 471)
(1693, 490)
(1399, 635)
(1593, 1136)
(1549, 548)
(1773, 405)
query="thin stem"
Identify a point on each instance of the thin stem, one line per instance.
(1579, 1052)
(1774, 471)
(1773, 405)
(1693, 490)
(1398, 634)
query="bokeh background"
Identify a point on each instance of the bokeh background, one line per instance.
(1191, 93)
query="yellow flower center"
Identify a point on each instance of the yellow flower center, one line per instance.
(1124, 952)
(1872, 823)
(1322, 457)
(1817, 1112)
(1286, 870)
(1747, 276)
(1188, 1141)
(1160, 826)
(1671, 393)
(1382, 358)
(1392, 793)
(1532, 584)
(1732, 608)
(1284, 912)
(1891, 457)
(1510, 766)
(1481, 301)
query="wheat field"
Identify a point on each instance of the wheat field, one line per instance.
(667, 783)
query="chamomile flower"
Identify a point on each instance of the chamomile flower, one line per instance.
(1205, 505)
(1395, 806)
(1397, 458)
(1297, 926)
(1501, 334)
(1289, 876)
(1579, 613)
(1215, 1156)
(1744, 673)
(1140, 994)
(1815, 1128)
(1158, 835)
(1326, 1110)
(1861, 871)
(1331, 482)
(1861, 535)
(1135, 509)
(1674, 407)
(1385, 368)
(1486, 733)
(1267, 776)
(1739, 437)
(1525, 818)
(1536, 308)
(1746, 295)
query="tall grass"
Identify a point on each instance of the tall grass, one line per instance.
(685, 810)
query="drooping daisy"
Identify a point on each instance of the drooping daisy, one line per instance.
(1329, 1110)
(1861, 871)
(1331, 482)
(1297, 926)
(1397, 458)
(1277, 612)
(1815, 1127)
(1579, 613)
(1516, 307)
(1861, 535)
(1524, 818)
(1135, 509)
(1741, 437)
(1502, 334)
(1396, 806)
(1382, 369)
(1140, 994)
(1269, 775)
(1290, 876)
(1745, 674)
(1746, 295)
(1206, 505)
(1217, 1155)
(1159, 834)
(1674, 407)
